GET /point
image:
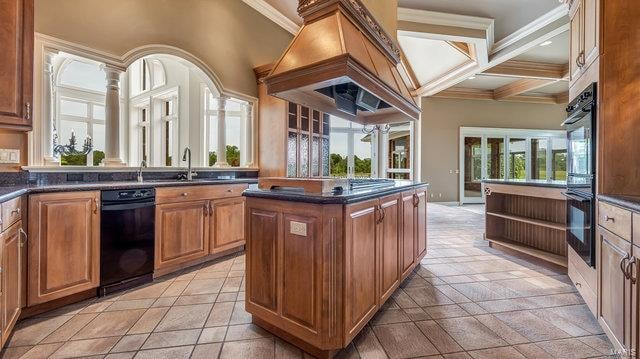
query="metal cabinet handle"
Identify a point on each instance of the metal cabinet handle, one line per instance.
(95, 205)
(416, 200)
(629, 270)
(23, 237)
(607, 219)
(580, 59)
(623, 267)
(184, 194)
(210, 209)
(206, 210)
(16, 212)
(27, 114)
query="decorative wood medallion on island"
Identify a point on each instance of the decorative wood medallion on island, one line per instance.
(320, 265)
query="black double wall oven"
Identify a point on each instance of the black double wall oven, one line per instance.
(581, 167)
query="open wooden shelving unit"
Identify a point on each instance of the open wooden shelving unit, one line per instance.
(531, 221)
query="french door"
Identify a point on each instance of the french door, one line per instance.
(482, 157)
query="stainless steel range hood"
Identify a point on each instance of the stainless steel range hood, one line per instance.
(343, 63)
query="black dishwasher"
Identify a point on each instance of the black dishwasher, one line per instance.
(126, 239)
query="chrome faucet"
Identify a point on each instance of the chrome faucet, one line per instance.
(186, 156)
(142, 164)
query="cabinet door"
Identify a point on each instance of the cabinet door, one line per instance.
(181, 233)
(226, 229)
(421, 223)
(614, 287)
(11, 278)
(361, 268)
(634, 270)
(390, 245)
(576, 40)
(16, 63)
(591, 30)
(408, 233)
(63, 226)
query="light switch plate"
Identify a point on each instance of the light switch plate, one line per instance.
(8, 155)
(298, 228)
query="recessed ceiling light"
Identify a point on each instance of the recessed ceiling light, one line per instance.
(548, 42)
(471, 77)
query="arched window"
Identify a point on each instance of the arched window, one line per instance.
(79, 90)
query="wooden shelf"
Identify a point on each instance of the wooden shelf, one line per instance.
(549, 257)
(537, 222)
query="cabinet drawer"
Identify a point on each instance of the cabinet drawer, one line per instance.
(588, 273)
(11, 212)
(585, 290)
(615, 219)
(193, 193)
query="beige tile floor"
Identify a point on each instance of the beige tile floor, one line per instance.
(466, 300)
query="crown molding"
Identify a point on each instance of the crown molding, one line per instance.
(528, 69)
(274, 15)
(530, 28)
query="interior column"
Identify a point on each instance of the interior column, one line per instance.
(113, 157)
(246, 153)
(47, 111)
(222, 133)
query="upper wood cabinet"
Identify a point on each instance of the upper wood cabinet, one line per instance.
(181, 233)
(227, 223)
(585, 36)
(293, 139)
(12, 243)
(16, 64)
(64, 245)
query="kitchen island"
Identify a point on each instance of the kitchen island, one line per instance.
(527, 216)
(321, 262)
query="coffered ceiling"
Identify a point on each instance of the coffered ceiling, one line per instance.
(504, 50)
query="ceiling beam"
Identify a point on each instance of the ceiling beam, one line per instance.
(479, 94)
(528, 69)
(519, 87)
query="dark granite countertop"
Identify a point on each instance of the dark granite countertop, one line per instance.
(534, 183)
(344, 197)
(631, 203)
(10, 192)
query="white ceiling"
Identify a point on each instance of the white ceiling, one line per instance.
(442, 57)
(288, 8)
(554, 88)
(509, 15)
(555, 53)
(484, 82)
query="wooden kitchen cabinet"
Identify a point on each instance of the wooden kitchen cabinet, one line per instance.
(585, 36)
(390, 245)
(64, 245)
(421, 223)
(12, 240)
(227, 224)
(614, 288)
(181, 232)
(16, 64)
(634, 275)
(408, 228)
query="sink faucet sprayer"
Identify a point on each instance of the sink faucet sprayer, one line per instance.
(186, 156)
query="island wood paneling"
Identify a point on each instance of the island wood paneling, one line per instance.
(408, 241)
(262, 259)
(390, 243)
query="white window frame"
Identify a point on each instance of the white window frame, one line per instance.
(506, 134)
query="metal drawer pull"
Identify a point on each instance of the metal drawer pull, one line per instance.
(184, 194)
(629, 270)
(23, 237)
(623, 267)
(95, 204)
(607, 219)
(210, 209)
(16, 212)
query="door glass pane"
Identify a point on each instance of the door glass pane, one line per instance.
(517, 158)
(338, 154)
(559, 159)
(472, 166)
(538, 158)
(362, 155)
(495, 158)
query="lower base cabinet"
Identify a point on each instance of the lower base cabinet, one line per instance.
(64, 245)
(12, 242)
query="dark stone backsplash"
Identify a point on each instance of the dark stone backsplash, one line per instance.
(48, 178)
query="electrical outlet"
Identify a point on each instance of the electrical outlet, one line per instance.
(298, 228)
(9, 155)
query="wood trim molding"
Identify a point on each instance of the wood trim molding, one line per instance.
(274, 15)
(463, 47)
(519, 87)
(478, 94)
(528, 69)
(557, 13)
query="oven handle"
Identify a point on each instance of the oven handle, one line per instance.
(125, 206)
(576, 198)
